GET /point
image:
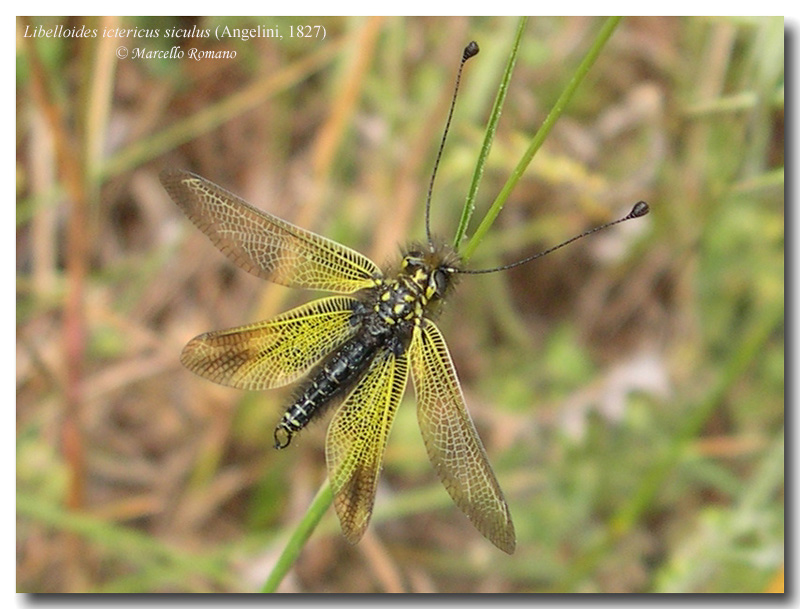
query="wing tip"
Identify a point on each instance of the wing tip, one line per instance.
(507, 542)
(170, 176)
(352, 530)
(500, 533)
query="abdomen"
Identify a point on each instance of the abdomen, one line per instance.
(336, 375)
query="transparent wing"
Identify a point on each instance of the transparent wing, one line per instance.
(357, 439)
(272, 353)
(265, 245)
(453, 445)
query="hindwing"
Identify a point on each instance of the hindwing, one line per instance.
(357, 437)
(272, 353)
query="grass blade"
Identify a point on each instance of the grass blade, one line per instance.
(538, 139)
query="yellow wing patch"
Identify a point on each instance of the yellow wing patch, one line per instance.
(357, 438)
(265, 245)
(272, 353)
(453, 445)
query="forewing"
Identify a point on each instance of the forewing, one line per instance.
(272, 353)
(453, 445)
(357, 439)
(265, 245)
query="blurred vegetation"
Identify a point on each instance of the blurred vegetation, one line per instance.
(629, 389)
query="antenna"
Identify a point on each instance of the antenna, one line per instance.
(639, 210)
(469, 51)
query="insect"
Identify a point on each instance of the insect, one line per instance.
(353, 350)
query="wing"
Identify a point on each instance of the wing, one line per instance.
(356, 441)
(265, 245)
(454, 448)
(272, 353)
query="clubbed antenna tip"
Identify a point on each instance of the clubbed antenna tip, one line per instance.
(471, 50)
(639, 210)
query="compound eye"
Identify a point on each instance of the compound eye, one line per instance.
(440, 280)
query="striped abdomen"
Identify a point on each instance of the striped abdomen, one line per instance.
(337, 373)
